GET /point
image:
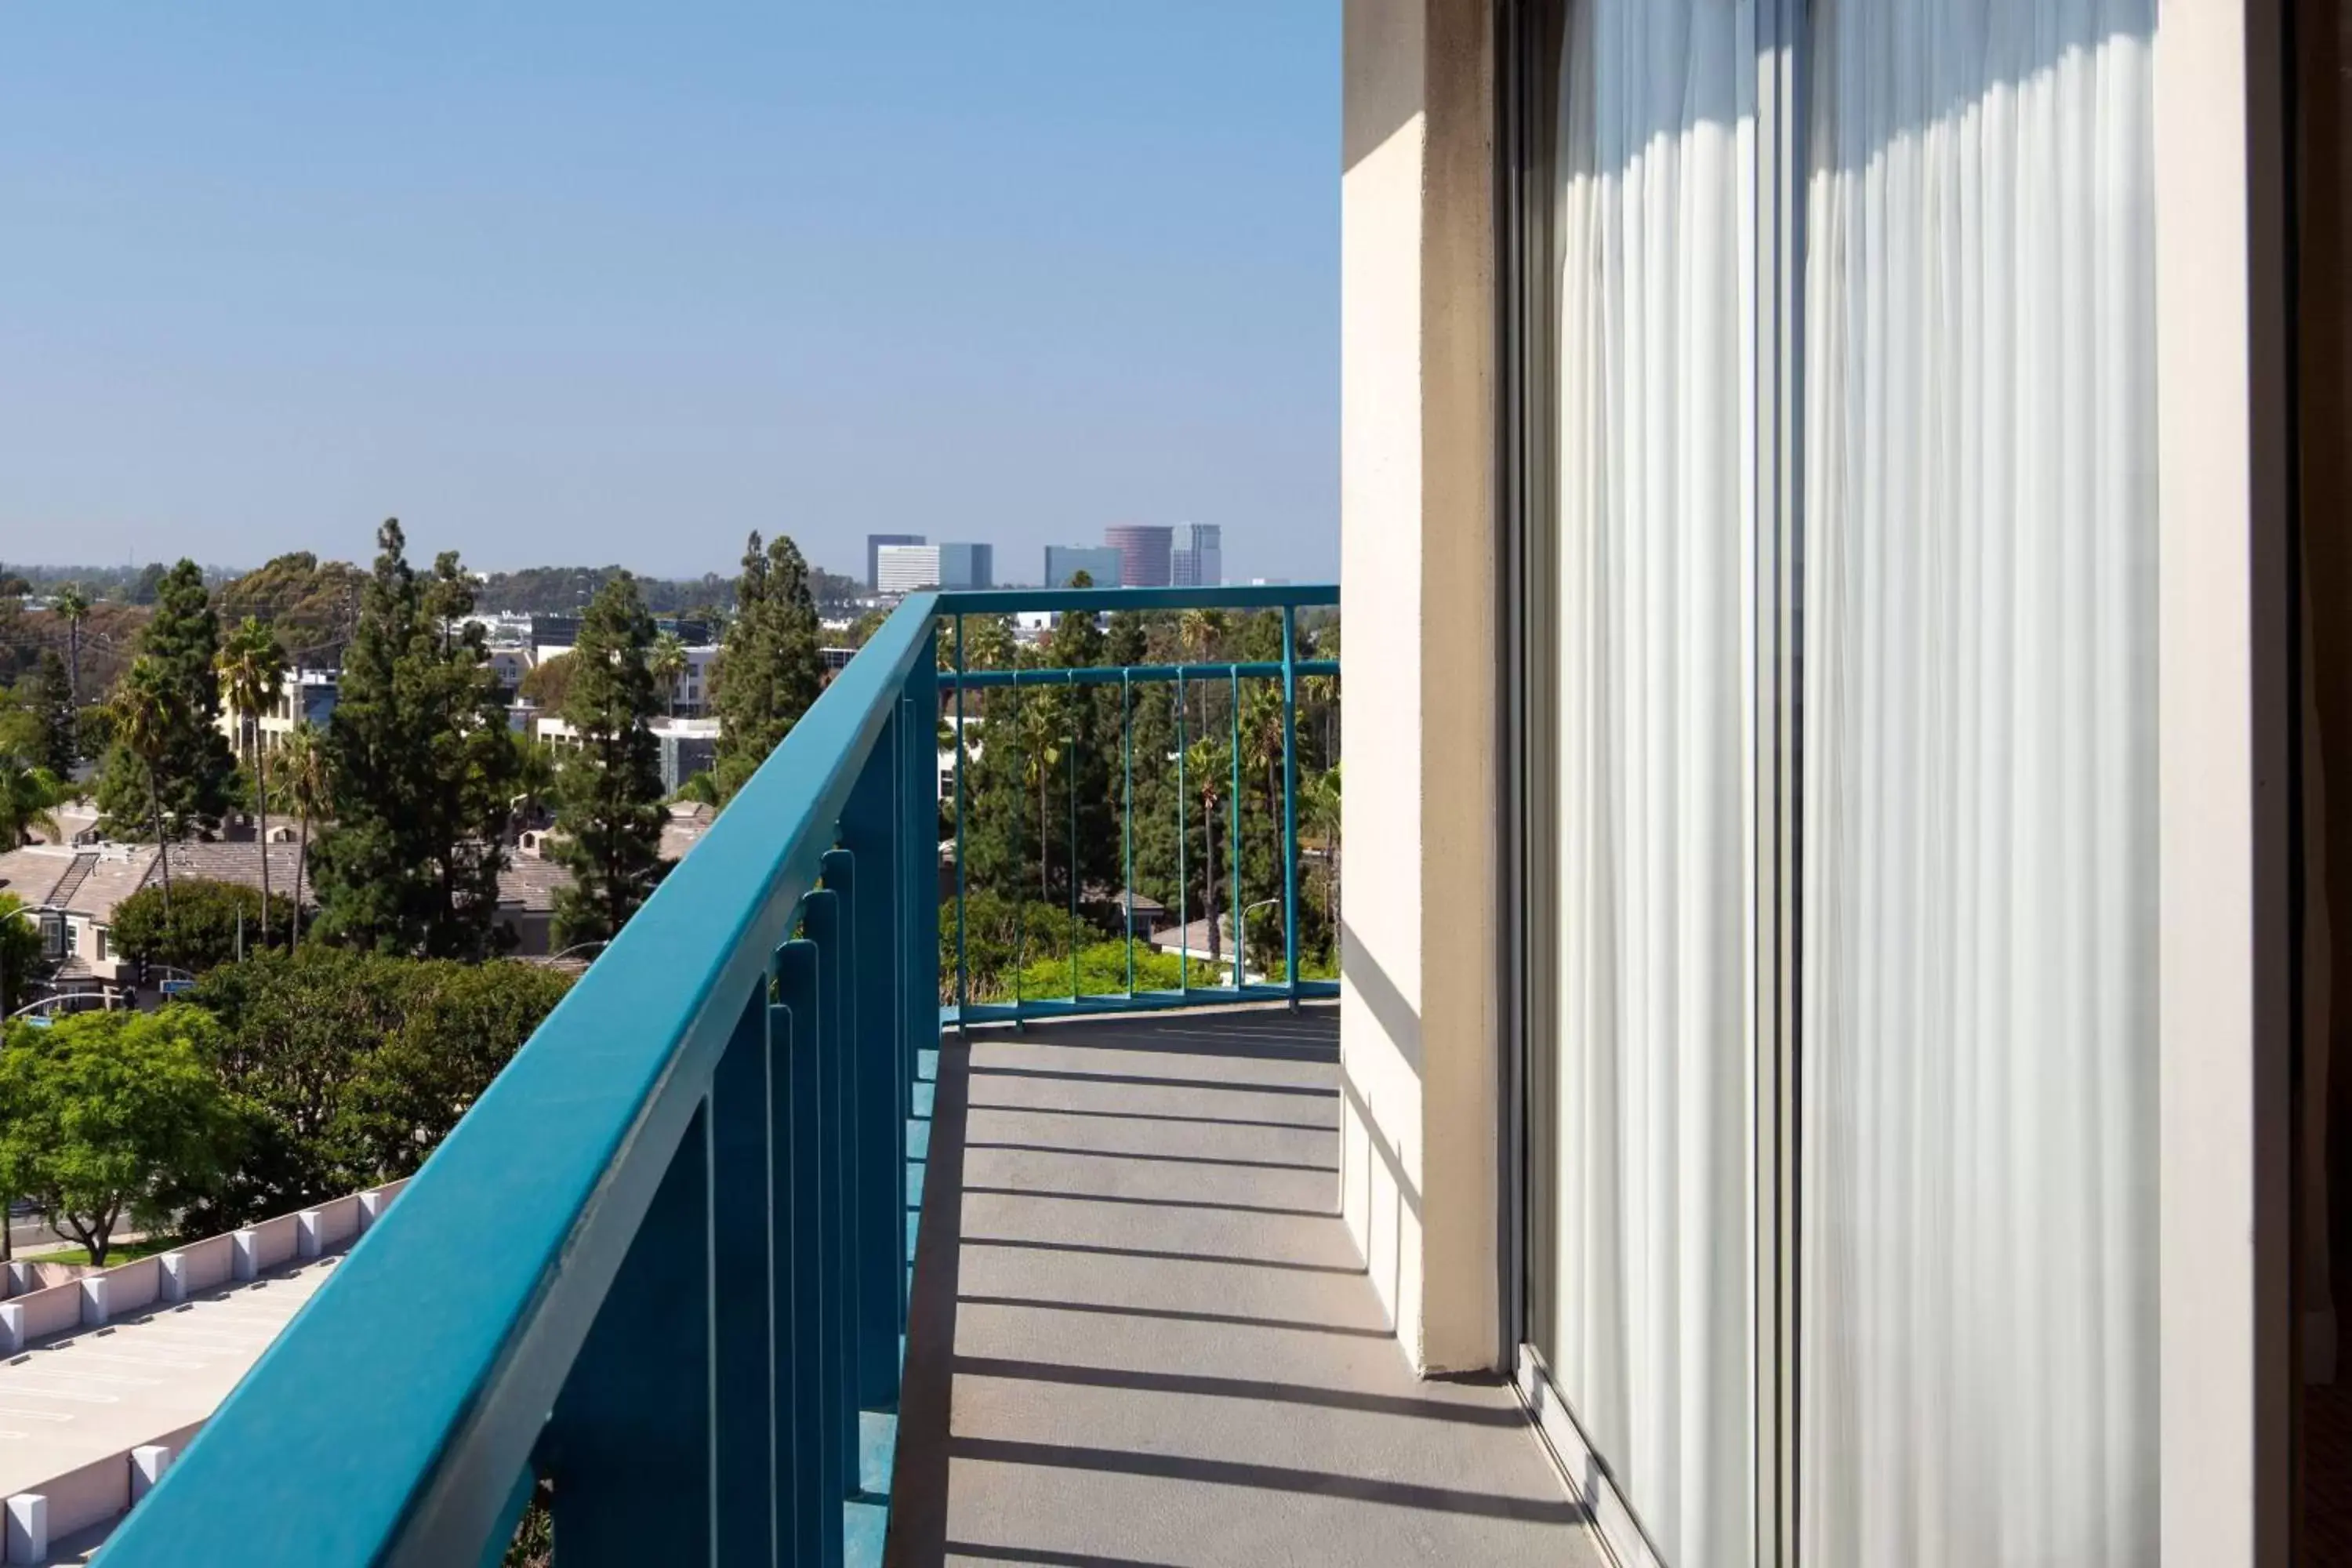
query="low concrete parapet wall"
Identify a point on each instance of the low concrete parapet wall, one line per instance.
(197, 1267)
(264, 1247)
(87, 1495)
(39, 1313)
(85, 1298)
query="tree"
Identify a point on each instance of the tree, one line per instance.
(71, 606)
(353, 1066)
(203, 928)
(303, 783)
(669, 663)
(26, 796)
(1038, 731)
(189, 768)
(142, 726)
(309, 606)
(109, 1115)
(549, 682)
(1207, 766)
(609, 789)
(1319, 817)
(770, 668)
(53, 708)
(20, 955)
(419, 770)
(252, 669)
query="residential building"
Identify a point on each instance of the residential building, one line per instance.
(878, 543)
(71, 892)
(967, 565)
(554, 635)
(901, 569)
(308, 697)
(1146, 551)
(1103, 564)
(1200, 558)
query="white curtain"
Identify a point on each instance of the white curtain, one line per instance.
(1650, 1342)
(1978, 1313)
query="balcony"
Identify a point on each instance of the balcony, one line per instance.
(715, 1259)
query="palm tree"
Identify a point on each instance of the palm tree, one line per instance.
(1198, 632)
(252, 669)
(303, 779)
(1262, 739)
(1319, 811)
(1321, 694)
(1038, 730)
(1207, 762)
(26, 796)
(143, 701)
(73, 605)
(666, 662)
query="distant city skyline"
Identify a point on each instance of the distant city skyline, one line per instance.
(626, 290)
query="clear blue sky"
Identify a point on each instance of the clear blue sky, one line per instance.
(615, 281)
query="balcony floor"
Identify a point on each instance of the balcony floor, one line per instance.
(1158, 1344)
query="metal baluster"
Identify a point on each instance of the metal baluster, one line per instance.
(809, 1465)
(1233, 839)
(822, 918)
(1070, 756)
(869, 978)
(628, 1444)
(1183, 875)
(1290, 804)
(963, 970)
(1127, 821)
(743, 1388)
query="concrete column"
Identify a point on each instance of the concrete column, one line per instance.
(93, 1301)
(147, 1467)
(1420, 560)
(309, 1226)
(172, 1284)
(12, 1329)
(245, 1259)
(27, 1539)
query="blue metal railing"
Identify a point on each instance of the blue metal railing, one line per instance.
(663, 1263)
(961, 1008)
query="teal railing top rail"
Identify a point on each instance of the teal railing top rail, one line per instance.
(399, 1417)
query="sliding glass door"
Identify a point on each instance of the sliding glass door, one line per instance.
(1978, 1268)
(1646, 1322)
(1867, 1277)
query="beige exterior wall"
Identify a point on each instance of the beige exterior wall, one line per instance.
(2223, 1118)
(1418, 1006)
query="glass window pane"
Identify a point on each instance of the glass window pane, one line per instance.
(1979, 1315)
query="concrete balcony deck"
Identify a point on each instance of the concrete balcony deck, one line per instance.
(1141, 1336)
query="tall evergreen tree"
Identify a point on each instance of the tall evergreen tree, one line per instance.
(770, 668)
(417, 765)
(191, 773)
(53, 705)
(609, 791)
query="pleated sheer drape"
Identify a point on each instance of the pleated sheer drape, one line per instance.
(1651, 1330)
(1978, 1311)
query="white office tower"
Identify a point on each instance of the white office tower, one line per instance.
(906, 568)
(1200, 559)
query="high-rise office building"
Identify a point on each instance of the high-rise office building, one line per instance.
(906, 568)
(1102, 564)
(1200, 558)
(875, 544)
(967, 565)
(1146, 549)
